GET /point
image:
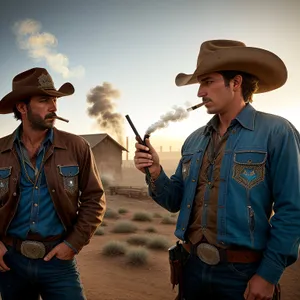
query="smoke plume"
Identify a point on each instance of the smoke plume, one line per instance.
(102, 108)
(178, 114)
(41, 46)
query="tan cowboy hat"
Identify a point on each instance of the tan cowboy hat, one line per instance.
(227, 55)
(33, 82)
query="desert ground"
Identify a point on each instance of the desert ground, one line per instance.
(113, 278)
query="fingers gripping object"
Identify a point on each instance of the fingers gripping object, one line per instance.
(139, 139)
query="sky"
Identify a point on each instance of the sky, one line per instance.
(127, 53)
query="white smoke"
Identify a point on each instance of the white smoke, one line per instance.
(176, 115)
(43, 46)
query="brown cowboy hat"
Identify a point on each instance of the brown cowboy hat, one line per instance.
(33, 82)
(227, 55)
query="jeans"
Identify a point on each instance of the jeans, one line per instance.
(223, 281)
(30, 278)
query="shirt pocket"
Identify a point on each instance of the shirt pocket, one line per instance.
(186, 165)
(249, 167)
(70, 178)
(4, 182)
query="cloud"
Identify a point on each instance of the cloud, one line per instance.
(42, 46)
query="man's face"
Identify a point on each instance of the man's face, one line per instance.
(40, 112)
(212, 88)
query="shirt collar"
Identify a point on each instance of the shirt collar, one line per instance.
(246, 118)
(48, 138)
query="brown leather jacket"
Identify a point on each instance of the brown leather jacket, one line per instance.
(77, 192)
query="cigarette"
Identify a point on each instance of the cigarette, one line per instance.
(62, 119)
(197, 106)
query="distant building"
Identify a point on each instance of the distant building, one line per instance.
(108, 155)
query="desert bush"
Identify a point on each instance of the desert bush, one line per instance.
(124, 227)
(168, 220)
(156, 215)
(122, 211)
(111, 214)
(114, 248)
(139, 240)
(158, 243)
(151, 229)
(142, 216)
(99, 231)
(137, 257)
(103, 224)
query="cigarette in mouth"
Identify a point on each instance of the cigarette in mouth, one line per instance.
(197, 106)
(62, 119)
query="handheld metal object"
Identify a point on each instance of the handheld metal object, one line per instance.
(139, 139)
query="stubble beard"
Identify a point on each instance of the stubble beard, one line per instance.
(37, 122)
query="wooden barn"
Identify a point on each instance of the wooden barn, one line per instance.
(108, 155)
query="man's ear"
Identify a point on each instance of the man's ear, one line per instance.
(237, 82)
(22, 108)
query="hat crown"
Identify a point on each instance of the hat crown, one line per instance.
(35, 77)
(210, 47)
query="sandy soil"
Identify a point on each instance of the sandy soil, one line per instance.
(112, 279)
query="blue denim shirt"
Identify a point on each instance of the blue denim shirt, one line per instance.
(36, 212)
(260, 168)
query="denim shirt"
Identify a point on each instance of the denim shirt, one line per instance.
(36, 212)
(259, 171)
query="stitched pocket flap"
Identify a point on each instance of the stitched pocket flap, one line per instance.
(68, 171)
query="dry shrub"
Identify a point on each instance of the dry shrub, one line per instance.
(158, 243)
(111, 214)
(151, 229)
(99, 231)
(114, 248)
(168, 220)
(139, 240)
(137, 256)
(122, 211)
(142, 216)
(157, 215)
(103, 224)
(124, 227)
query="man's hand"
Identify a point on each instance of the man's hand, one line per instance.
(148, 159)
(61, 251)
(259, 289)
(3, 266)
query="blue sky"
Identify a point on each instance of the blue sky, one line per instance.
(138, 47)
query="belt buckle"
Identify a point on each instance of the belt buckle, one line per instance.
(33, 249)
(208, 254)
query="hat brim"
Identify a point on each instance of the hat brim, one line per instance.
(265, 65)
(8, 102)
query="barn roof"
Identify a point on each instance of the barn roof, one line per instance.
(95, 139)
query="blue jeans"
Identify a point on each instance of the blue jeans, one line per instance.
(224, 281)
(30, 278)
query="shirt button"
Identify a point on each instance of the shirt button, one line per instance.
(33, 223)
(53, 191)
(14, 194)
(36, 187)
(193, 180)
(183, 229)
(188, 206)
(35, 204)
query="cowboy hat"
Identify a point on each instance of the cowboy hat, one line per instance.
(33, 82)
(228, 55)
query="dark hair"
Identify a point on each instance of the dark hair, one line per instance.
(17, 114)
(249, 83)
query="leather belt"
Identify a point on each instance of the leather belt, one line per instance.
(33, 249)
(212, 255)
